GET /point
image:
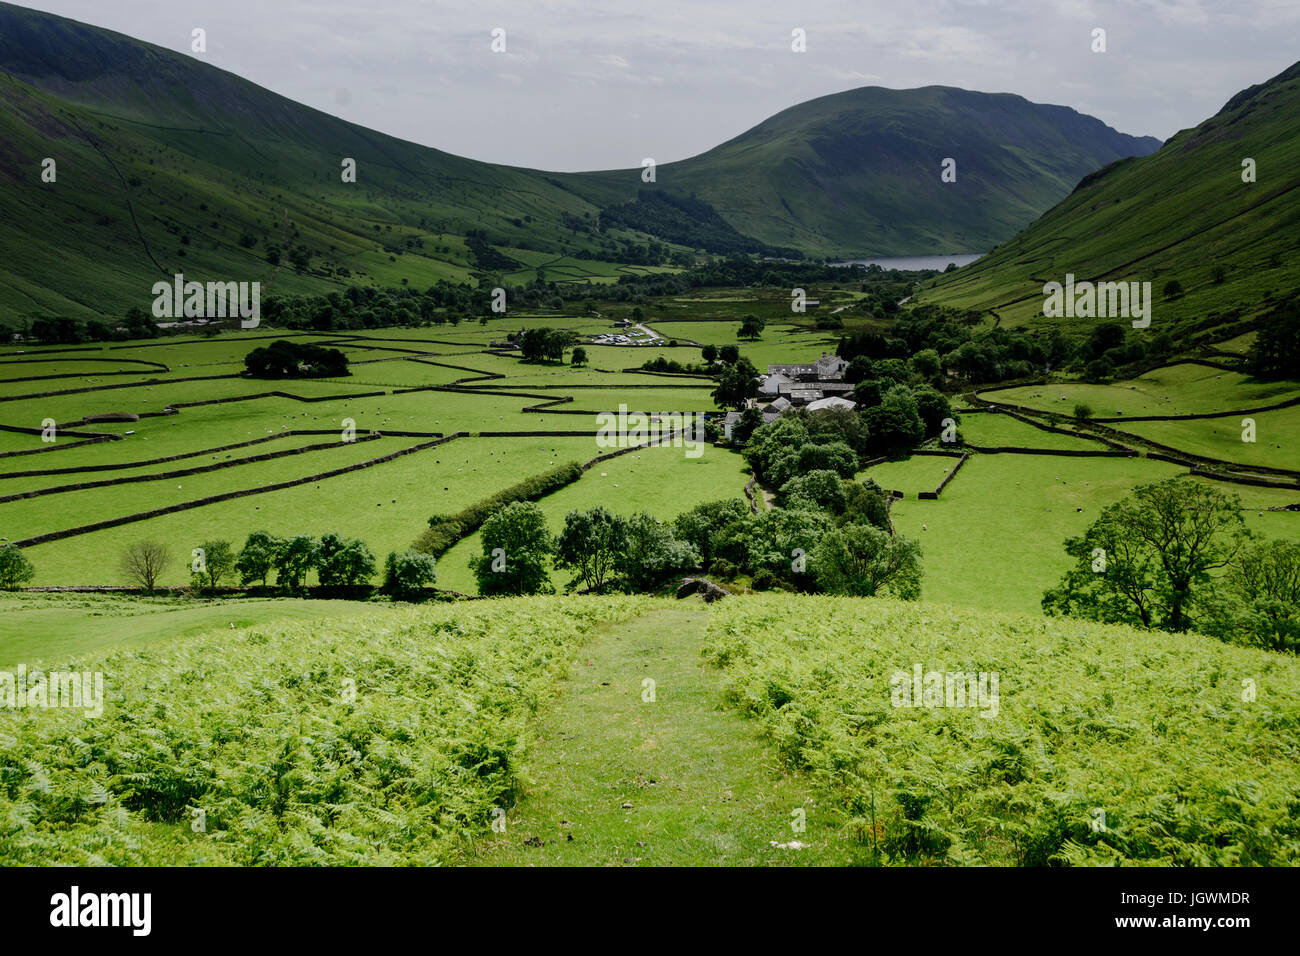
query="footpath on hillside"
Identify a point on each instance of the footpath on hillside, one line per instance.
(620, 779)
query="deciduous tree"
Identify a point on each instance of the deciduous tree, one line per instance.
(1149, 557)
(145, 561)
(516, 547)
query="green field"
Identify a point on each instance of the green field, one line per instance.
(992, 430)
(994, 538)
(58, 626)
(1274, 442)
(1183, 389)
(660, 481)
(911, 475)
(386, 505)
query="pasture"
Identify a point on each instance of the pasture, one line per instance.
(1182, 389)
(258, 453)
(993, 540)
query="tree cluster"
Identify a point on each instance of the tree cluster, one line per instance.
(1175, 555)
(285, 359)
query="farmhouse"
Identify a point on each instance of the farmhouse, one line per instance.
(733, 417)
(805, 384)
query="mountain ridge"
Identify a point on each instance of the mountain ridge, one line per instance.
(1224, 240)
(167, 164)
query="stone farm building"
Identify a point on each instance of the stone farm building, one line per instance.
(817, 385)
(804, 384)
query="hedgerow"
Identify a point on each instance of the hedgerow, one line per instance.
(445, 530)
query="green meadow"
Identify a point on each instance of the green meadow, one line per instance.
(1183, 389)
(993, 539)
(54, 627)
(991, 430)
(1274, 443)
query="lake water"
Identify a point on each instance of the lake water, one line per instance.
(913, 262)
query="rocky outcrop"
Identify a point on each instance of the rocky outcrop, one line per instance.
(701, 586)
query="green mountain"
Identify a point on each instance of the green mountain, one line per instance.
(124, 163)
(858, 173)
(166, 164)
(1183, 214)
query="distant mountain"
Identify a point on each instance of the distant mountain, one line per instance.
(1183, 214)
(161, 163)
(858, 173)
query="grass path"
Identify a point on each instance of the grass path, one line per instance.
(617, 780)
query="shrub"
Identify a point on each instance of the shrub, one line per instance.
(864, 502)
(895, 424)
(343, 562)
(820, 489)
(258, 729)
(257, 558)
(284, 359)
(590, 544)
(15, 569)
(212, 561)
(701, 525)
(722, 568)
(1099, 370)
(294, 557)
(651, 553)
(146, 561)
(772, 539)
(862, 561)
(406, 573)
(835, 457)
(933, 407)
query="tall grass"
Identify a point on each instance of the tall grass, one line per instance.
(1109, 746)
(340, 742)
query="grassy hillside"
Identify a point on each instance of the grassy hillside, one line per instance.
(387, 738)
(858, 173)
(335, 741)
(167, 164)
(1105, 746)
(60, 624)
(1181, 214)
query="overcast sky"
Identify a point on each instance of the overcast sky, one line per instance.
(586, 84)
